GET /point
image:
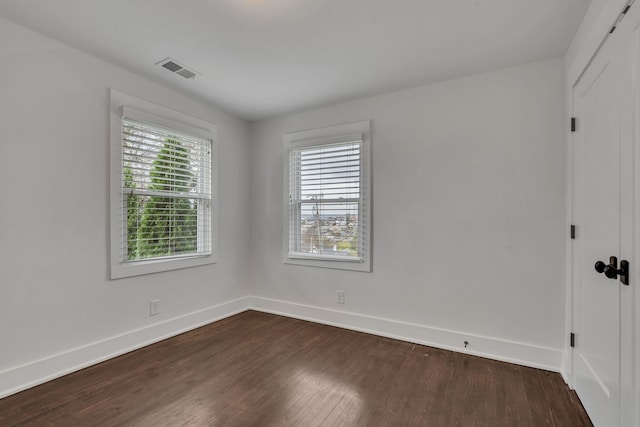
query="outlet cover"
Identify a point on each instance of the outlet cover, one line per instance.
(340, 297)
(154, 307)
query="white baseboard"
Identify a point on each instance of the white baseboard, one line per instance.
(508, 351)
(37, 372)
(567, 368)
(30, 374)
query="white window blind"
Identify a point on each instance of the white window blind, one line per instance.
(326, 198)
(166, 192)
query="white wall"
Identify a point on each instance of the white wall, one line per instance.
(468, 205)
(468, 217)
(55, 295)
(583, 34)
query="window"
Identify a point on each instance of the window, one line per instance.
(327, 197)
(162, 189)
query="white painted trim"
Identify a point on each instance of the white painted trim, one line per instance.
(595, 37)
(36, 372)
(493, 348)
(346, 132)
(163, 116)
(630, 177)
(567, 356)
(634, 412)
(600, 29)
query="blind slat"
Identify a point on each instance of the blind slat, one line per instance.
(325, 209)
(166, 182)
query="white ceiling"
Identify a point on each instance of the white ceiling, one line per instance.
(260, 58)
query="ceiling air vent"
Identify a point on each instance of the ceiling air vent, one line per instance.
(175, 67)
(187, 74)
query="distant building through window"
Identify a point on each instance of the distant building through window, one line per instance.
(328, 197)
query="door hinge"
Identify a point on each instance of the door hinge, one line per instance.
(573, 124)
(572, 339)
(573, 231)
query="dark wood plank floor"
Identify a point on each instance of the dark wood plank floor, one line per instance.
(256, 369)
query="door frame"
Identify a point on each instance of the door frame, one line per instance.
(630, 129)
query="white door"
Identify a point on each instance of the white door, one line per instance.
(602, 178)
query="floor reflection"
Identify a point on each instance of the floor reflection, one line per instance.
(322, 398)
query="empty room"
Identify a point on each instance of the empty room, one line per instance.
(319, 213)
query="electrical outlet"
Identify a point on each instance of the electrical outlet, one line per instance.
(340, 297)
(154, 307)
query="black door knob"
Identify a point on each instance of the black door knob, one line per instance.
(611, 272)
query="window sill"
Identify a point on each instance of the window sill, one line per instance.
(335, 262)
(138, 268)
(320, 257)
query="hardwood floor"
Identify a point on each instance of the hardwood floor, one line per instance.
(256, 369)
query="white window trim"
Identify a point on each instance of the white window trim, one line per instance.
(328, 135)
(153, 113)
